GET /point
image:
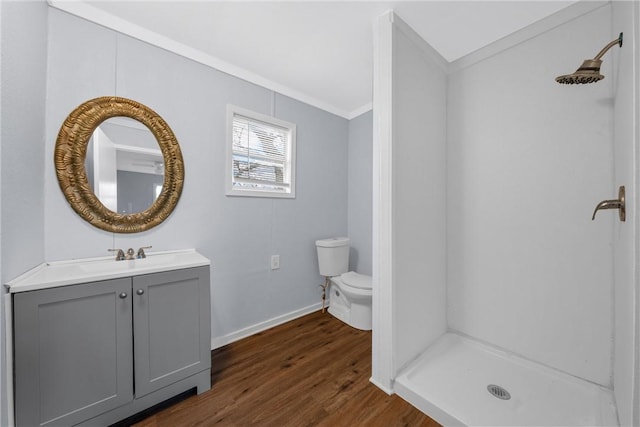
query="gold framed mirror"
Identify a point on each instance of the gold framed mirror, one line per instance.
(71, 150)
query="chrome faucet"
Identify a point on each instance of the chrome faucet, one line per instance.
(119, 255)
(141, 253)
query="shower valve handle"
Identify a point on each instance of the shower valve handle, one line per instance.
(618, 203)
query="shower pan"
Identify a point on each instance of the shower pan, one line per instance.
(451, 379)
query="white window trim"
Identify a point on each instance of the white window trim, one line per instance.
(230, 191)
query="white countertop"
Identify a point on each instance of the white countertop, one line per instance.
(62, 273)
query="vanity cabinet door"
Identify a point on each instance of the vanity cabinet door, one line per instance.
(171, 319)
(73, 352)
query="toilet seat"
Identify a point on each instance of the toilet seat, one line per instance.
(356, 280)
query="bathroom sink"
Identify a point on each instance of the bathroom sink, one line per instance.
(61, 273)
(152, 261)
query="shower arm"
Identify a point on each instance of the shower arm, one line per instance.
(617, 41)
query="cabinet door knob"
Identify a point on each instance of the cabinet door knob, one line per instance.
(123, 295)
(140, 291)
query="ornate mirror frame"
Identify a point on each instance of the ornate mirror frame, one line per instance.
(71, 150)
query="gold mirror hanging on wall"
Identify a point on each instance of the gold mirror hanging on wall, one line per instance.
(71, 150)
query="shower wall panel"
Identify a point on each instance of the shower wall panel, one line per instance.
(624, 79)
(528, 159)
(409, 198)
(419, 160)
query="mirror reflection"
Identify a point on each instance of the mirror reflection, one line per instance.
(124, 165)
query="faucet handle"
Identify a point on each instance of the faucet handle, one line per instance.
(119, 255)
(618, 203)
(141, 253)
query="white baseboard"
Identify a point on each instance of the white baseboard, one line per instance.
(217, 342)
(387, 390)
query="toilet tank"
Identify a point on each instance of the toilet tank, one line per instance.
(333, 256)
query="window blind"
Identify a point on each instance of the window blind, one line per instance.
(261, 155)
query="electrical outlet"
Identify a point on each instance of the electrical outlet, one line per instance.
(275, 262)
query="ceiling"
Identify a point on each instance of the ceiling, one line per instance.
(320, 52)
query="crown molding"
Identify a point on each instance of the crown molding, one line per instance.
(548, 23)
(107, 20)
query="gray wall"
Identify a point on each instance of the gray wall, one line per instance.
(24, 36)
(238, 234)
(359, 191)
(24, 29)
(136, 190)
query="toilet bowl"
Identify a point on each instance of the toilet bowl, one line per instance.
(349, 292)
(350, 299)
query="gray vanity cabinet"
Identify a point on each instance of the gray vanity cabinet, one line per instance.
(98, 352)
(72, 352)
(168, 316)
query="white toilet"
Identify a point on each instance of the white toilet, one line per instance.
(350, 292)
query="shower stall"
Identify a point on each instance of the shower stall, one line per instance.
(497, 299)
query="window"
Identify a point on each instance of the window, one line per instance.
(261, 155)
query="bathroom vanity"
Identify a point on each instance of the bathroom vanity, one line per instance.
(97, 340)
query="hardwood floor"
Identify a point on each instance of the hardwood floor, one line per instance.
(312, 371)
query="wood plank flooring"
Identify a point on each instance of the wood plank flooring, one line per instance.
(312, 371)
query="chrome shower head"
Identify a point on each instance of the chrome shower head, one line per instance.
(589, 71)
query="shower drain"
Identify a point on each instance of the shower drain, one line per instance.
(498, 392)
